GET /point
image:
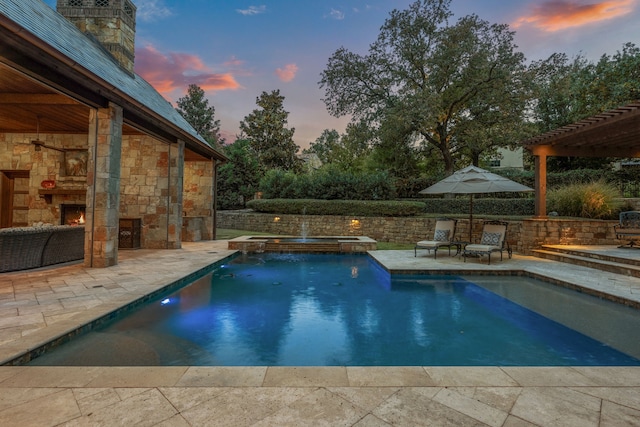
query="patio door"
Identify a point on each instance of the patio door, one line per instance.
(14, 198)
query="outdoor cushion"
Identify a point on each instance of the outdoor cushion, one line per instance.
(492, 239)
(479, 247)
(441, 235)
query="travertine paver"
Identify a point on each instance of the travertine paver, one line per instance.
(35, 306)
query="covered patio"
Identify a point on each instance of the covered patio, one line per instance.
(82, 135)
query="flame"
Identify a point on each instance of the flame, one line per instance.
(81, 219)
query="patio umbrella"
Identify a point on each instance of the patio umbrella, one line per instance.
(473, 180)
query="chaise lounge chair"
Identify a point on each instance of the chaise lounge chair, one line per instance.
(493, 239)
(442, 237)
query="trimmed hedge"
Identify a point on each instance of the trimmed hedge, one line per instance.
(460, 205)
(337, 207)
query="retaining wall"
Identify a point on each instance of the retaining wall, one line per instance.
(523, 235)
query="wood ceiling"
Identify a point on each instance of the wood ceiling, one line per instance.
(26, 105)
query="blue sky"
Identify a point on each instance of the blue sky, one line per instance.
(235, 50)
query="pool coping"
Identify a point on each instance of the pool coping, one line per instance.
(521, 273)
(65, 335)
(189, 395)
(338, 244)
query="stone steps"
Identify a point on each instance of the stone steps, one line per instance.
(611, 264)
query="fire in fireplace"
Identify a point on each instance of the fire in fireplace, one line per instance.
(72, 214)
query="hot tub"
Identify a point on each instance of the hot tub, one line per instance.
(323, 244)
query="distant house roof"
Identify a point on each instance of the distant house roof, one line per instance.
(33, 22)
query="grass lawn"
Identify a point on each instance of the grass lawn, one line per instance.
(227, 234)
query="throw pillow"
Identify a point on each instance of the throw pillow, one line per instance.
(492, 239)
(441, 235)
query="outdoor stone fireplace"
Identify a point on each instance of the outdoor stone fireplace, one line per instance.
(72, 214)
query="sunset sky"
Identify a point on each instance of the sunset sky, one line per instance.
(235, 50)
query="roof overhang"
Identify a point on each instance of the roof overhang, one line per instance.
(614, 133)
(35, 63)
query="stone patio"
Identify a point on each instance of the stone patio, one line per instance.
(38, 306)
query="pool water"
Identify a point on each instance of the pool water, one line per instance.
(335, 310)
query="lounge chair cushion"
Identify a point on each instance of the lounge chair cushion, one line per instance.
(491, 239)
(441, 235)
(479, 247)
(430, 243)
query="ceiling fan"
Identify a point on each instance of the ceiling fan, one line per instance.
(39, 144)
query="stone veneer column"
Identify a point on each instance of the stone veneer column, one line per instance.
(103, 187)
(174, 205)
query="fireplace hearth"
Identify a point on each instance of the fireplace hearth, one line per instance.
(72, 214)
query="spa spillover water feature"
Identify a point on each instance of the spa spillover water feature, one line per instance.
(303, 242)
(324, 244)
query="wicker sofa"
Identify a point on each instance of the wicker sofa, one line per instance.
(23, 248)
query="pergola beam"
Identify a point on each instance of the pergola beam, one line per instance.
(613, 133)
(585, 151)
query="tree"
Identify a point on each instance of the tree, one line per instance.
(325, 146)
(432, 76)
(355, 147)
(238, 178)
(269, 138)
(569, 90)
(347, 152)
(194, 107)
(396, 149)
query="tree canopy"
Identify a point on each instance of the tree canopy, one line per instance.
(195, 108)
(347, 152)
(569, 90)
(269, 138)
(460, 88)
(239, 177)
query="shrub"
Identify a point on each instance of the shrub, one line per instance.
(277, 183)
(484, 206)
(592, 200)
(329, 184)
(337, 207)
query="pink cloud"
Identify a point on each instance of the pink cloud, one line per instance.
(561, 14)
(233, 62)
(176, 71)
(287, 73)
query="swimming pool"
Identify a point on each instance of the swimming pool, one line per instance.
(328, 310)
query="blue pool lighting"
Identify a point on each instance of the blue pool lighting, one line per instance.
(276, 309)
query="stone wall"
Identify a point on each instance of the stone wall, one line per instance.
(567, 232)
(18, 154)
(144, 184)
(523, 236)
(197, 203)
(144, 187)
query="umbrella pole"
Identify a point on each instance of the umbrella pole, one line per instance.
(470, 217)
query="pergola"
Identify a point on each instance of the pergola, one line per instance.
(613, 133)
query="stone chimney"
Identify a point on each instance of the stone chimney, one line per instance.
(111, 22)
